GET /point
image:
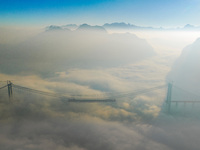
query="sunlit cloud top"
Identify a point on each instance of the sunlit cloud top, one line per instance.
(142, 12)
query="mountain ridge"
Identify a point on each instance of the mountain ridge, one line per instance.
(118, 26)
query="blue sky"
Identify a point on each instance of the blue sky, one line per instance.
(166, 13)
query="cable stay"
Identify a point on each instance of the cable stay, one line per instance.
(113, 95)
(108, 97)
(69, 99)
(185, 91)
(104, 97)
(37, 91)
(3, 81)
(136, 92)
(3, 87)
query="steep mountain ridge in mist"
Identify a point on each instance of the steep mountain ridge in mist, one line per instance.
(186, 70)
(54, 51)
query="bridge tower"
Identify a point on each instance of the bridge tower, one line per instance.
(10, 90)
(169, 96)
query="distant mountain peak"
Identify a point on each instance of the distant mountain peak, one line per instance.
(86, 27)
(118, 25)
(189, 26)
(55, 28)
(70, 26)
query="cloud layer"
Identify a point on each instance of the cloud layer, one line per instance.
(72, 65)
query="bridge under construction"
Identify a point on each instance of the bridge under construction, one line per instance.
(108, 97)
(171, 99)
